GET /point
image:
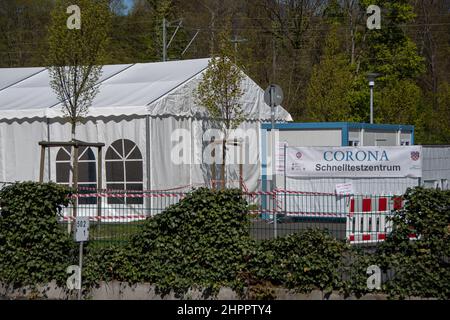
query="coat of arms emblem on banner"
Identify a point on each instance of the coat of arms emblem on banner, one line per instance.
(415, 155)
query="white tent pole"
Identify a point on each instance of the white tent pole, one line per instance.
(147, 160)
(48, 151)
(193, 148)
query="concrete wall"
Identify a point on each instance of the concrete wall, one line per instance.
(144, 291)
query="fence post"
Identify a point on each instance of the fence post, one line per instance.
(99, 180)
(285, 181)
(41, 169)
(275, 209)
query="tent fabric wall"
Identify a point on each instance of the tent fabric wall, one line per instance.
(19, 149)
(106, 131)
(135, 102)
(165, 174)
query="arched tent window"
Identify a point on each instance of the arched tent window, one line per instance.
(124, 170)
(87, 170)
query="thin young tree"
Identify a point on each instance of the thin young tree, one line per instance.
(77, 50)
(75, 56)
(220, 92)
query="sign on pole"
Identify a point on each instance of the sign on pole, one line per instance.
(82, 229)
(273, 96)
(81, 236)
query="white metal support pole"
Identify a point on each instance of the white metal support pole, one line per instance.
(274, 175)
(80, 263)
(285, 180)
(371, 85)
(148, 200)
(361, 137)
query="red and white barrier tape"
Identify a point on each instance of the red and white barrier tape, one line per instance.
(129, 195)
(99, 218)
(160, 193)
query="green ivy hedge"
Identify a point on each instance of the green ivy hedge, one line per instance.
(302, 261)
(33, 248)
(421, 267)
(203, 241)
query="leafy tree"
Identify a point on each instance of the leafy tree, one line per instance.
(220, 91)
(75, 57)
(328, 93)
(437, 125)
(389, 50)
(400, 102)
(22, 31)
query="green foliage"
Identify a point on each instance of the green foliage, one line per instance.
(75, 57)
(437, 126)
(220, 89)
(421, 266)
(305, 261)
(354, 272)
(400, 102)
(201, 241)
(33, 248)
(329, 90)
(23, 25)
(389, 50)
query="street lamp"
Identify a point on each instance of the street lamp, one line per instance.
(371, 78)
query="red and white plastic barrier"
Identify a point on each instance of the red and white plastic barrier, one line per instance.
(368, 222)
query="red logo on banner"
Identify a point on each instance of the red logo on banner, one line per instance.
(415, 155)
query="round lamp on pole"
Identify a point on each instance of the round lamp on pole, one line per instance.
(371, 78)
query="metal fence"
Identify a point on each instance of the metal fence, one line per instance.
(116, 216)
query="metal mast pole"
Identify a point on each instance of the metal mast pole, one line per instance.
(371, 101)
(274, 175)
(164, 40)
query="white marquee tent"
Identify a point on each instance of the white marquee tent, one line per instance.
(135, 113)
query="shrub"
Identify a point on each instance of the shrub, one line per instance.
(421, 267)
(33, 248)
(302, 261)
(201, 241)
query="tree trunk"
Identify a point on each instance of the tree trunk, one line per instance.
(224, 155)
(74, 127)
(72, 157)
(74, 173)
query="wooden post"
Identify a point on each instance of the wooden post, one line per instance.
(75, 178)
(41, 169)
(99, 180)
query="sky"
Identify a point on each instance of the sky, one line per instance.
(128, 3)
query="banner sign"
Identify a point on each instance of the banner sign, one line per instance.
(354, 162)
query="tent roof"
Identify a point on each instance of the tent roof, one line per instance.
(124, 90)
